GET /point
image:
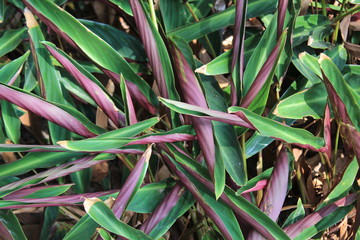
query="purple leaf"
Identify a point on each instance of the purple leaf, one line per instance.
(132, 183)
(58, 148)
(260, 185)
(266, 71)
(67, 200)
(163, 209)
(296, 228)
(327, 132)
(101, 98)
(197, 195)
(206, 113)
(192, 93)
(53, 173)
(237, 63)
(27, 191)
(128, 101)
(44, 109)
(150, 46)
(281, 16)
(276, 190)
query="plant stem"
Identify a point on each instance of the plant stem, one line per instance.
(212, 51)
(152, 13)
(349, 12)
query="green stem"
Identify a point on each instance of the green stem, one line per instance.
(337, 27)
(152, 12)
(323, 9)
(349, 12)
(212, 51)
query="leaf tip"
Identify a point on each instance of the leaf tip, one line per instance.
(201, 70)
(89, 202)
(30, 19)
(301, 55)
(323, 57)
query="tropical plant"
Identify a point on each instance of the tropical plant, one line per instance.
(140, 122)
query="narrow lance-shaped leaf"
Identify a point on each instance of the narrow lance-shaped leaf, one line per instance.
(10, 225)
(163, 209)
(48, 77)
(11, 71)
(89, 83)
(281, 16)
(66, 200)
(129, 106)
(58, 148)
(239, 205)
(227, 152)
(10, 39)
(199, 198)
(54, 173)
(222, 19)
(183, 133)
(327, 131)
(296, 228)
(132, 183)
(264, 76)
(156, 51)
(110, 61)
(192, 93)
(345, 102)
(103, 215)
(39, 192)
(237, 63)
(276, 189)
(62, 115)
(248, 119)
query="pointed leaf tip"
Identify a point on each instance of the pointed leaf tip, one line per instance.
(30, 19)
(201, 70)
(323, 57)
(89, 202)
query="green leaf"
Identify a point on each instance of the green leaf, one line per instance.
(49, 79)
(325, 223)
(222, 63)
(35, 160)
(49, 192)
(103, 215)
(310, 102)
(222, 19)
(83, 229)
(296, 215)
(247, 208)
(10, 39)
(348, 96)
(11, 120)
(81, 179)
(104, 234)
(174, 13)
(50, 216)
(222, 210)
(149, 196)
(344, 186)
(305, 25)
(2, 10)
(316, 40)
(125, 44)
(124, 5)
(228, 150)
(94, 47)
(12, 224)
(12, 70)
(271, 128)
